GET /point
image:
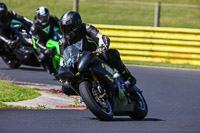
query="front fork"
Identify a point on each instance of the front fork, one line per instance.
(96, 84)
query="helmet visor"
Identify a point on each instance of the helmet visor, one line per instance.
(44, 18)
(66, 29)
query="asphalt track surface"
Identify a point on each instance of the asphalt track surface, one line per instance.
(172, 96)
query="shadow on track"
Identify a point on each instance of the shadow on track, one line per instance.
(32, 69)
(129, 119)
(24, 68)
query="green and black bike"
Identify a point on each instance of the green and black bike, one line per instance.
(52, 44)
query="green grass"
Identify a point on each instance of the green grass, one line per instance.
(12, 93)
(108, 12)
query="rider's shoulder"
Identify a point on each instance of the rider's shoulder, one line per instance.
(35, 25)
(12, 13)
(53, 17)
(87, 26)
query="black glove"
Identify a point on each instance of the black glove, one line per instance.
(104, 41)
(51, 53)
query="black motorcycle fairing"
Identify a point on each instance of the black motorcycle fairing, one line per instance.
(25, 55)
(68, 88)
(64, 73)
(100, 71)
(86, 58)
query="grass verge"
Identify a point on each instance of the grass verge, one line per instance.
(12, 93)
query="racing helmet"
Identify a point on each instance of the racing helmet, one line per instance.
(42, 14)
(70, 24)
(3, 10)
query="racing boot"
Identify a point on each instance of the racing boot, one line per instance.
(130, 79)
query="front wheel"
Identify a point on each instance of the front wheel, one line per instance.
(99, 106)
(141, 109)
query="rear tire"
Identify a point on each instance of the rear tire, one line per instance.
(102, 113)
(12, 63)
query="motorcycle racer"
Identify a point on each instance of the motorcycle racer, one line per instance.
(6, 18)
(43, 30)
(75, 31)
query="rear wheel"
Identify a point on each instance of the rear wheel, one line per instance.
(12, 63)
(141, 109)
(99, 106)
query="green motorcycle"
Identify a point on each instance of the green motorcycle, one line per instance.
(52, 44)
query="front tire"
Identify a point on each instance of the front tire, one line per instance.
(141, 109)
(104, 113)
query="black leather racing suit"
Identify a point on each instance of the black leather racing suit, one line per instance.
(91, 40)
(5, 22)
(41, 34)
